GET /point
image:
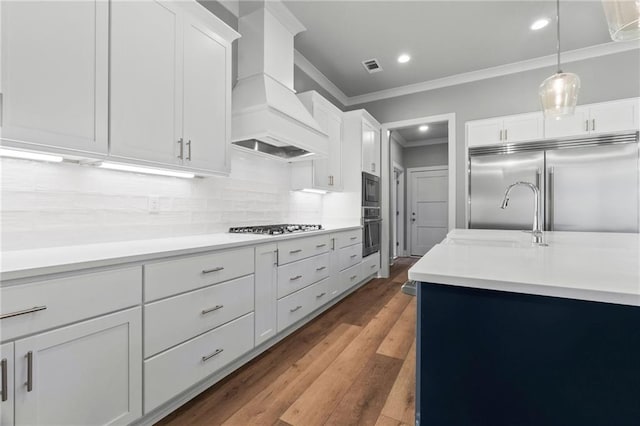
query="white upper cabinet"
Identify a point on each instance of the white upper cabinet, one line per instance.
(605, 117)
(325, 173)
(55, 75)
(509, 129)
(370, 147)
(146, 81)
(170, 85)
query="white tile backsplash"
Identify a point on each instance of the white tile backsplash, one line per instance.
(47, 205)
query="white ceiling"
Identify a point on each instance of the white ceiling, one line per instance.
(444, 38)
(412, 134)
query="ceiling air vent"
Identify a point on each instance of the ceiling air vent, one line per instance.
(372, 65)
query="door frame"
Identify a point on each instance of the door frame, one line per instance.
(386, 172)
(400, 228)
(410, 198)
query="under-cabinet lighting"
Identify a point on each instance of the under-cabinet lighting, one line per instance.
(313, 191)
(28, 155)
(148, 170)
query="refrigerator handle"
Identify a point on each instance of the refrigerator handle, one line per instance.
(550, 200)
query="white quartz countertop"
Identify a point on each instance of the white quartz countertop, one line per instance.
(601, 267)
(35, 262)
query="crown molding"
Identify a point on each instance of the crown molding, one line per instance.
(399, 139)
(468, 77)
(301, 62)
(232, 6)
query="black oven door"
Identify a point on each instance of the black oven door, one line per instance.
(371, 236)
(370, 190)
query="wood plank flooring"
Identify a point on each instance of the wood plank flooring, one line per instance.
(353, 365)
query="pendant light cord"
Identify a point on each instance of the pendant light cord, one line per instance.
(558, 32)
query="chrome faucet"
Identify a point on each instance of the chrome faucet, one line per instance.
(537, 232)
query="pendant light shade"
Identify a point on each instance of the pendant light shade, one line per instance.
(559, 93)
(623, 17)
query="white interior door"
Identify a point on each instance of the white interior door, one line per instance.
(429, 206)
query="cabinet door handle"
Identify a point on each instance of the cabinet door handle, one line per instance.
(189, 150)
(295, 251)
(500, 134)
(296, 308)
(23, 312)
(353, 277)
(181, 142)
(321, 294)
(29, 371)
(297, 277)
(506, 134)
(216, 269)
(320, 245)
(586, 125)
(5, 389)
(208, 357)
(322, 268)
(215, 308)
(593, 124)
(373, 167)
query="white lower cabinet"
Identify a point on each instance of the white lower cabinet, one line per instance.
(371, 265)
(349, 256)
(298, 305)
(350, 277)
(266, 292)
(88, 373)
(7, 392)
(179, 368)
(294, 276)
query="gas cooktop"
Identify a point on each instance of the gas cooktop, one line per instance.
(274, 229)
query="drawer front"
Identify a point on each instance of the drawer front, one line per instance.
(370, 265)
(174, 320)
(349, 256)
(68, 300)
(171, 277)
(348, 238)
(296, 306)
(294, 276)
(177, 369)
(301, 248)
(322, 292)
(350, 277)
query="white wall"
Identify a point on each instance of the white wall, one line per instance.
(397, 151)
(427, 155)
(53, 204)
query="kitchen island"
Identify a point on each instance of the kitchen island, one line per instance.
(515, 334)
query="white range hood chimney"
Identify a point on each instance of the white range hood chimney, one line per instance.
(267, 116)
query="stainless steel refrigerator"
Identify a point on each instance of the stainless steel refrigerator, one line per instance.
(586, 184)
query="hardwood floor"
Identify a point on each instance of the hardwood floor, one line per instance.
(353, 365)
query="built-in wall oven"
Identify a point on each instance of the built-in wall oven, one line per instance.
(371, 218)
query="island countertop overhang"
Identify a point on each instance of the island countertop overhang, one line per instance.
(599, 267)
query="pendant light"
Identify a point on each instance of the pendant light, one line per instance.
(623, 17)
(559, 93)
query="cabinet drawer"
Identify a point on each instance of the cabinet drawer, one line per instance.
(171, 277)
(294, 276)
(174, 320)
(322, 292)
(349, 256)
(68, 300)
(301, 303)
(301, 248)
(177, 369)
(370, 265)
(350, 277)
(348, 238)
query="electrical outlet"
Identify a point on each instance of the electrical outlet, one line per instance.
(154, 204)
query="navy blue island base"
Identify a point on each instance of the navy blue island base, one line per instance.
(492, 358)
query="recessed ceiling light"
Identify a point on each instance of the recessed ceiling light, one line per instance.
(539, 24)
(423, 128)
(404, 58)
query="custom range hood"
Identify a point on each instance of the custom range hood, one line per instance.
(267, 116)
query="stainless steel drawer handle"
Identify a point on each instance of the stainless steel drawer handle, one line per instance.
(354, 238)
(320, 245)
(354, 255)
(295, 251)
(5, 389)
(215, 308)
(208, 271)
(297, 277)
(208, 357)
(29, 371)
(353, 277)
(23, 312)
(373, 266)
(296, 308)
(320, 295)
(322, 268)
